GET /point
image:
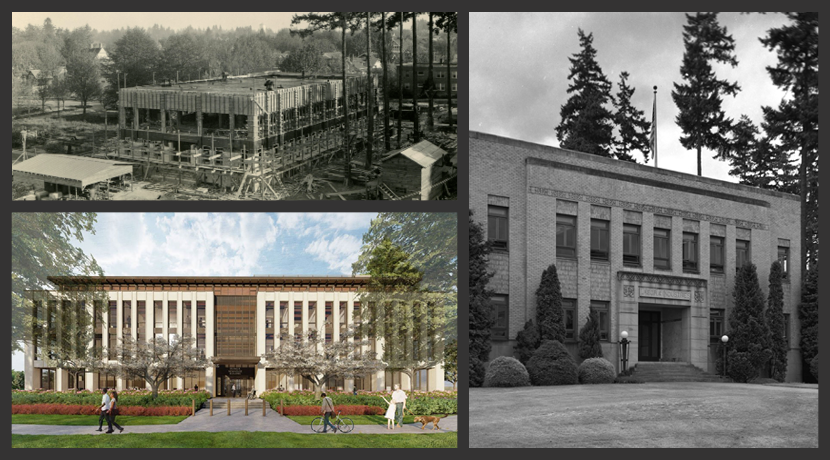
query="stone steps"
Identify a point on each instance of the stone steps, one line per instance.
(671, 372)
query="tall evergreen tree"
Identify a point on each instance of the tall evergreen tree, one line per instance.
(589, 346)
(749, 337)
(774, 316)
(795, 123)
(481, 312)
(699, 99)
(756, 161)
(808, 317)
(633, 128)
(587, 125)
(549, 313)
(527, 341)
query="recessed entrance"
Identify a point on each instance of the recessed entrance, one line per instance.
(649, 331)
(234, 381)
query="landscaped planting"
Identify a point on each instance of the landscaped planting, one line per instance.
(506, 371)
(551, 364)
(143, 398)
(344, 410)
(71, 409)
(596, 370)
(419, 402)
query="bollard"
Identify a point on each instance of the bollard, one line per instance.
(246, 407)
(211, 407)
(282, 412)
(263, 408)
(229, 406)
(193, 408)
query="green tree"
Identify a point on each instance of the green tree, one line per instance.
(633, 128)
(757, 161)
(182, 56)
(308, 58)
(586, 125)
(156, 360)
(18, 380)
(44, 245)
(774, 316)
(134, 59)
(527, 341)
(83, 78)
(699, 99)
(589, 346)
(451, 362)
(481, 311)
(808, 316)
(749, 336)
(549, 313)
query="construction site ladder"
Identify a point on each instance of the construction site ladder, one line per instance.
(388, 192)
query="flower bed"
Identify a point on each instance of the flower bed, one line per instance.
(143, 398)
(345, 410)
(419, 402)
(72, 409)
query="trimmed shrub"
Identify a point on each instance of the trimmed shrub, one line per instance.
(346, 410)
(477, 371)
(69, 409)
(814, 367)
(589, 346)
(551, 364)
(774, 316)
(506, 371)
(527, 341)
(125, 398)
(419, 402)
(596, 370)
(749, 336)
(740, 366)
(627, 379)
(549, 313)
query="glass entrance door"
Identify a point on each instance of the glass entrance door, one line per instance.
(649, 336)
(234, 387)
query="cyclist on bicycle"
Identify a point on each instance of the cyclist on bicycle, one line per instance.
(328, 410)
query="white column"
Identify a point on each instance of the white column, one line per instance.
(179, 327)
(209, 342)
(119, 318)
(259, 379)
(291, 300)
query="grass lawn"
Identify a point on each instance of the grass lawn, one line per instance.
(238, 439)
(678, 414)
(92, 420)
(357, 419)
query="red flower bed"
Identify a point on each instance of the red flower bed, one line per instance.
(345, 410)
(66, 409)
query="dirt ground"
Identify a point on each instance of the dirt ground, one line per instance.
(693, 414)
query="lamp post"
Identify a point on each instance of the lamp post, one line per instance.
(624, 355)
(724, 339)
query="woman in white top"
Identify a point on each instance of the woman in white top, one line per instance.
(390, 414)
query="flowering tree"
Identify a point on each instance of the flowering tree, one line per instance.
(157, 360)
(318, 360)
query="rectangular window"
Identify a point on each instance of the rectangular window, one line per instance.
(455, 87)
(497, 226)
(741, 253)
(599, 239)
(158, 317)
(565, 236)
(187, 319)
(141, 328)
(283, 320)
(602, 313)
(784, 259)
(569, 307)
(269, 315)
(716, 256)
(113, 317)
(631, 245)
(200, 314)
(47, 379)
(127, 313)
(172, 322)
(298, 316)
(716, 317)
(690, 257)
(269, 342)
(787, 329)
(662, 249)
(500, 307)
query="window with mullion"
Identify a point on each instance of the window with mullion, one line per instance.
(741, 253)
(565, 236)
(602, 313)
(784, 259)
(500, 311)
(497, 219)
(690, 255)
(716, 254)
(662, 249)
(716, 317)
(569, 309)
(631, 245)
(599, 239)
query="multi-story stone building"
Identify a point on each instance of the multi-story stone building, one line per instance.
(653, 251)
(235, 320)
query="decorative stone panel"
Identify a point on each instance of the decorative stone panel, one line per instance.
(496, 200)
(601, 281)
(662, 221)
(633, 217)
(600, 212)
(743, 233)
(568, 274)
(691, 226)
(499, 262)
(717, 291)
(783, 243)
(717, 230)
(566, 207)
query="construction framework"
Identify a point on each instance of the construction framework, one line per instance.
(239, 133)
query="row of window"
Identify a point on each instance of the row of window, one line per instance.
(717, 317)
(500, 329)
(497, 227)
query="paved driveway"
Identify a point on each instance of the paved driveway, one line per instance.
(688, 414)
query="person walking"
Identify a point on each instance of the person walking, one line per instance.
(390, 413)
(105, 404)
(233, 390)
(399, 398)
(113, 412)
(328, 410)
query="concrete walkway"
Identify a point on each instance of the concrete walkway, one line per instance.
(237, 421)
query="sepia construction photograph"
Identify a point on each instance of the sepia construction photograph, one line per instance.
(234, 106)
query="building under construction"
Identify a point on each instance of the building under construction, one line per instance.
(242, 134)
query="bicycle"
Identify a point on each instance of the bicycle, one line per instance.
(343, 424)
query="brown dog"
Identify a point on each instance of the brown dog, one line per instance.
(425, 419)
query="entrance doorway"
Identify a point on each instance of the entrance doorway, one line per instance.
(234, 381)
(649, 335)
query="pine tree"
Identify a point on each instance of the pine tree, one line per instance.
(699, 99)
(775, 322)
(589, 346)
(749, 341)
(549, 313)
(481, 312)
(757, 161)
(587, 126)
(633, 128)
(808, 316)
(527, 341)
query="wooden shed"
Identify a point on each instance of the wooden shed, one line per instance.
(411, 173)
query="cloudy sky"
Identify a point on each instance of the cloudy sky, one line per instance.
(519, 68)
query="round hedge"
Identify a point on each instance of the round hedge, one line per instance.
(506, 371)
(551, 364)
(596, 370)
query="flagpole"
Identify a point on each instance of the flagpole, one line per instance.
(654, 127)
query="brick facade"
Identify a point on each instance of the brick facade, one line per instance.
(538, 182)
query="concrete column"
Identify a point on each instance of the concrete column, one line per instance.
(119, 317)
(210, 346)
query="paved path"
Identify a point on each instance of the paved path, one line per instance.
(237, 421)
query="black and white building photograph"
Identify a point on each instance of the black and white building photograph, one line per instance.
(643, 234)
